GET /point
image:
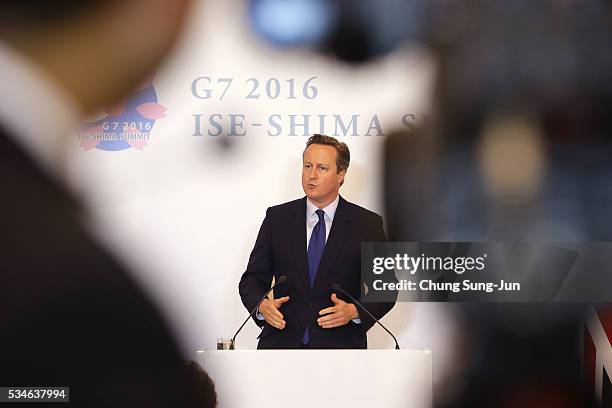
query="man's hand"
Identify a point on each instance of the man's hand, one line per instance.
(269, 309)
(341, 313)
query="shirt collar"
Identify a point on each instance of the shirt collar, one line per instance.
(35, 112)
(330, 210)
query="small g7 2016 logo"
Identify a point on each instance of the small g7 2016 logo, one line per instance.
(127, 124)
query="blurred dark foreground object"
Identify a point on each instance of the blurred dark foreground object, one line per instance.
(519, 144)
(70, 316)
(206, 394)
(353, 31)
(518, 149)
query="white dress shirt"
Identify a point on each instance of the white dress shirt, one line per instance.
(312, 218)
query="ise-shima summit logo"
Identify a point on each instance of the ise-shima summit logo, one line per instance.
(127, 124)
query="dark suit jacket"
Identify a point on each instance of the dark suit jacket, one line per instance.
(70, 315)
(280, 249)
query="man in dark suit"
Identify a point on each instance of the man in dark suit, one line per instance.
(306, 312)
(69, 314)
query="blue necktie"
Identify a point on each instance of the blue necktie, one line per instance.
(316, 245)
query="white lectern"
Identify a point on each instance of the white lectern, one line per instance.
(320, 378)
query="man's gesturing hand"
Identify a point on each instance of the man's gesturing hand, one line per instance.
(341, 313)
(269, 309)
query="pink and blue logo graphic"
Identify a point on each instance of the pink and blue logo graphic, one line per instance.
(128, 124)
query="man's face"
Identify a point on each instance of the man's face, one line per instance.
(320, 178)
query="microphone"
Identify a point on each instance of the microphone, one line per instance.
(281, 279)
(337, 288)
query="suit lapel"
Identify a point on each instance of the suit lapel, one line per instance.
(340, 230)
(297, 220)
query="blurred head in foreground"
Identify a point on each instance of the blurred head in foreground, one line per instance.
(96, 50)
(206, 394)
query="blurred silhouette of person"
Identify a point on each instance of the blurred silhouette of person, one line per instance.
(69, 313)
(207, 396)
(518, 150)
